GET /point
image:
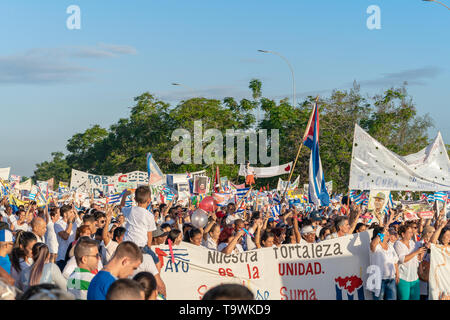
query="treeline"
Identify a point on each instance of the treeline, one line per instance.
(391, 118)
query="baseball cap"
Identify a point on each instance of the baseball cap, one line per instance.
(159, 232)
(6, 236)
(307, 229)
(380, 195)
(271, 219)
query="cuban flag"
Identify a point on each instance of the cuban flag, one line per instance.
(359, 199)
(389, 205)
(276, 198)
(242, 192)
(349, 288)
(430, 197)
(317, 192)
(276, 211)
(154, 172)
(115, 197)
(440, 196)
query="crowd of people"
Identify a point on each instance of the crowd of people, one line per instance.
(107, 252)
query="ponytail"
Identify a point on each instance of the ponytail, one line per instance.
(23, 238)
(40, 255)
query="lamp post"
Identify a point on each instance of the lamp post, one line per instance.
(290, 67)
(438, 3)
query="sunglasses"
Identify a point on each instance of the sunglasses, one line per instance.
(93, 255)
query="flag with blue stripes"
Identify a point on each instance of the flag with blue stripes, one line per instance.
(276, 198)
(430, 197)
(116, 197)
(276, 211)
(154, 172)
(359, 199)
(317, 191)
(242, 192)
(440, 196)
(389, 205)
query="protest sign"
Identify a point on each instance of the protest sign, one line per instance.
(201, 184)
(378, 199)
(26, 185)
(329, 270)
(328, 186)
(282, 184)
(374, 167)
(267, 172)
(4, 173)
(420, 209)
(439, 280)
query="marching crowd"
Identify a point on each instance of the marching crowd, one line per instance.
(105, 252)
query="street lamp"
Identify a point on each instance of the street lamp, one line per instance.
(437, 2)
(290, 67)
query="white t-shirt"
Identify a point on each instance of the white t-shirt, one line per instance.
(61, 225)
(385, 260)
(230, 218)
(407, 270)
(334, 235)
(16, 275)
(147, 265)
(12, 219)
(139, 221)
(39, 239)
(250, 243)
(24, 226)
(109, 250)
(237, 249)
(72, 264)
(209, 243)
(51, 239)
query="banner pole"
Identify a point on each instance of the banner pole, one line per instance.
(298, 152)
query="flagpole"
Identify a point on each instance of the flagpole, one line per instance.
(298, 152)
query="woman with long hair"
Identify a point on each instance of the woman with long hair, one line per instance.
(21, 255)
(409, 254)
(175, 236)
(42, 270)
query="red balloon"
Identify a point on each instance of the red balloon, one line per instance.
(208, 204)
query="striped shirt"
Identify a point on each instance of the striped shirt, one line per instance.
(78, 283)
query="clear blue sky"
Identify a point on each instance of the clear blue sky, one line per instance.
(55, 82)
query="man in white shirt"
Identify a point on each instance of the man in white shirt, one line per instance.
(65, 230)
(51, 239)
(39, 228)
(140, 223)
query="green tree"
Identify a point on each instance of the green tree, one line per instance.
(57, 168)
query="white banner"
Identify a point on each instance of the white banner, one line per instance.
(267, 172)
(26, 185)
(4, 173)
(328, 186)
(439, 278)
(282, 184)
(374, 167)
(329, 270)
